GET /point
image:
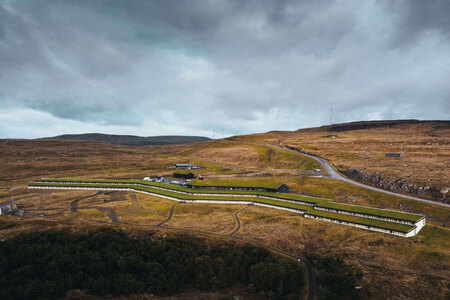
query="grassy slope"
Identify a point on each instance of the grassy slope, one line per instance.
(426, 148)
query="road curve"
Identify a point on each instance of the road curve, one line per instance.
(111, 212)
(74, 204)
(169, 217)
(238, 223)
(335, 175)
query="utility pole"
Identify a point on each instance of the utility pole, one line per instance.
(331, 115)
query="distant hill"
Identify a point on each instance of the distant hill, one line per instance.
(379, 124)
(131, 140)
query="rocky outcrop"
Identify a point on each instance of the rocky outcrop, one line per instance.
(381, 124)
(399, 185)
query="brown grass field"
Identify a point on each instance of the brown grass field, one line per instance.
(426, 146)
(393, 267)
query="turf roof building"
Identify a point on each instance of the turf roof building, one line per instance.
(373, 213)
(380, 226)
(264, 194)
(236, 185)
(375, 219)
(183, 175)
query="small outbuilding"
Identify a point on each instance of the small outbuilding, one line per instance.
(283, 188)
(185, 166)
(394, 154)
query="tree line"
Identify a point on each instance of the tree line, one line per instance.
(110, 262)
(335, 279)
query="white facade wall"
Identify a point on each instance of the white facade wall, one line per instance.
(344, 212)
(367, 227)
(419, 225)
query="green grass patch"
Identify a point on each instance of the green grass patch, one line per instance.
(432, 256)
(435, 236)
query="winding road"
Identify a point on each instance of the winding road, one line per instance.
(74, 204)
(332, 173)
(11, 201)
(238, 223)
(169, 217)
(111, 212)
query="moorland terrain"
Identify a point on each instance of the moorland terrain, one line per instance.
(388, 267)
(358, 150)
(131, 140)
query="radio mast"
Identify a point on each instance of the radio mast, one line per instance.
(331, 115)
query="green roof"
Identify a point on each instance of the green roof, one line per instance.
(234, 183)
(179, 196)
(295, 197)
(361, 220)
(174, 191)
(371, 211)
(182, 172)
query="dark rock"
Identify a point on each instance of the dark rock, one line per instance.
(398, 185)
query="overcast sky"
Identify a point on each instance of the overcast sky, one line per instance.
(220, 67)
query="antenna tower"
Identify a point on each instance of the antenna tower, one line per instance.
(331, 115)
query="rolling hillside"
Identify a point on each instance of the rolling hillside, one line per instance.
(383, 259)
(358, 150)
(131, 140)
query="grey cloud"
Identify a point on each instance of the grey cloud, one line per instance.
(241, 66)
(417, 17)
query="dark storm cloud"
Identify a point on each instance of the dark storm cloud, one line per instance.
(199, 66)
(417, 17)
